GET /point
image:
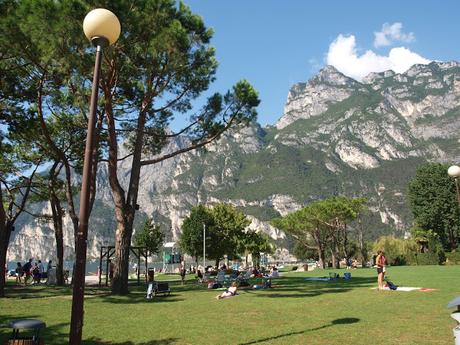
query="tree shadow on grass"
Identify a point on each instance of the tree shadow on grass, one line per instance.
(343, 321)
(298, 287)
(98, 341)
(47, 291)
(298, 294)
(136, 298)
(353, 282)
(41, 291)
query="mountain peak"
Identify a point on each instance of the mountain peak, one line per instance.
(330, 75)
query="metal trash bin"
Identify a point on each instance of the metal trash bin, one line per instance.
(455, 303)
(33, 325)
(150, 274)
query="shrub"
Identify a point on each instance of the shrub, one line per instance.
(397, 251)
(294, 268)
(453, 258)
(430, 258)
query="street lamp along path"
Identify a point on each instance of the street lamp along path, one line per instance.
(454, 172)
(102, 28)
(101, 23)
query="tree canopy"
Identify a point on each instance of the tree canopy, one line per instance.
(161, 64)
(224, 229)
(433, 203)
(150, 237)
(322, 225)
(191, 240)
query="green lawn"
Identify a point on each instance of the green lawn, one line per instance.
(295, 311)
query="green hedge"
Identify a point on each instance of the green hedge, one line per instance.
(453, 258)
(420, 259)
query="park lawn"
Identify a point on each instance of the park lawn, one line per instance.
(295, 311)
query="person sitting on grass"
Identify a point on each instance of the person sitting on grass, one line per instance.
(274, 273)
(231, 291)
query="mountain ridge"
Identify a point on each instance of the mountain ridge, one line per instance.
(336, 136)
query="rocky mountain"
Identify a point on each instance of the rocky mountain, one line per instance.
(337, 136)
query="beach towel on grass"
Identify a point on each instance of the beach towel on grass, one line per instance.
(408, 289)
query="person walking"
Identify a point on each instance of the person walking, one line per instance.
(380, 261)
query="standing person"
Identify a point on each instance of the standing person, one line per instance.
(49, 266)
(380, 261)
(36, 274)
(182, 272)
(41, 269)
(19, 273)
(27, 268)
(111, 270)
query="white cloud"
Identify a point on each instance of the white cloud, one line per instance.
(343, 55)
(390, 34)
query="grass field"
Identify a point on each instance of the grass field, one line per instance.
(295, 311)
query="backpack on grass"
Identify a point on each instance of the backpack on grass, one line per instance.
(391, 285)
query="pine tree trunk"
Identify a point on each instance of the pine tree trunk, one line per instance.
(3, 249)
(125, 207)
(5, 232)
(322, 257)
(57, 214)
(334, 259)
(60, 257)
(121, 261)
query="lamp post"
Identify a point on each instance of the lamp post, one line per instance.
(454, 172)
(102, 28)
(204, 247)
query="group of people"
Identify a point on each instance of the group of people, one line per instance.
(35, 271)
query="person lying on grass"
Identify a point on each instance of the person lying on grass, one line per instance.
(231, 291)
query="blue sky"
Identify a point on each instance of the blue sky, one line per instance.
(275, 44)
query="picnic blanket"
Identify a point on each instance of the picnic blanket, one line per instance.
(220, 298)
(408, 289)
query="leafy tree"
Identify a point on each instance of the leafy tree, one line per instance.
(191, 240)
(39, 76)
(303, 253)
(323, 225)
(397, 250)
(254, 243)
(224, 230)
(160, 64)
(361, 210)
(434, 204)
(48, 187)
(150, 237)
(228, 228)
(17, 157)
(306, 229)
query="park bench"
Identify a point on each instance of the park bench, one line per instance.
(156, 288)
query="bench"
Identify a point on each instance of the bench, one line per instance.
(156, 288)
